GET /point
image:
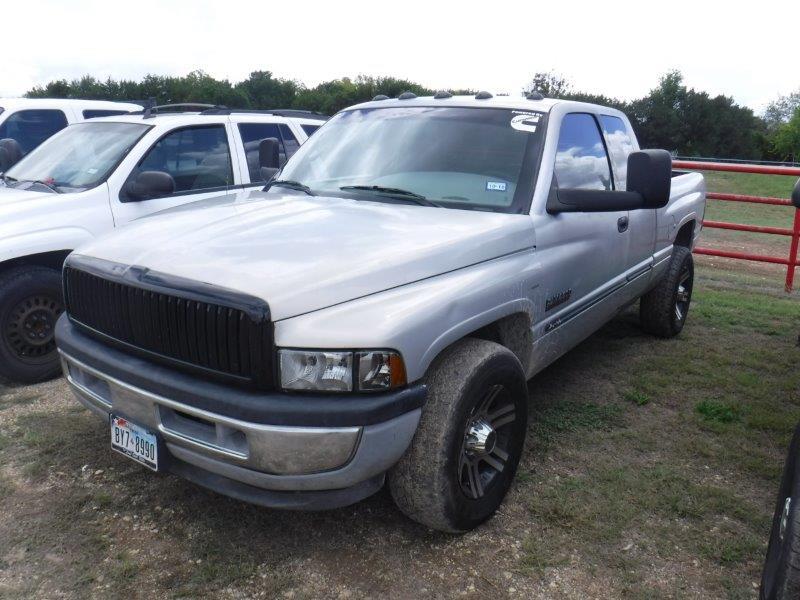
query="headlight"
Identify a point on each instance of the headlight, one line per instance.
(333, 371)
(316, 370)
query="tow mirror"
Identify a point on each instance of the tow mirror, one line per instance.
(268, 158)
(649, 181)
(796, 194)
(150, 184)
(650, 174)
(10, 153)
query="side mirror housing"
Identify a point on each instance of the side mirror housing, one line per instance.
(268, 156)
(649, 182)
(796, 194)
(10, 153)
(650, 175)
(148, 185)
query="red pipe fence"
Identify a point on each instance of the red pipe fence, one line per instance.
(790, 261)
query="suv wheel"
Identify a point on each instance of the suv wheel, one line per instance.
(30, 303)
(465, 452)
(780, 579)
(663, 309)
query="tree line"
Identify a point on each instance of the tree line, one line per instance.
(683, 120)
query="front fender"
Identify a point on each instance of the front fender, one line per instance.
(50, 240)
(421, 319)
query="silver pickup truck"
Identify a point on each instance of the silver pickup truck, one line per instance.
(377, 310)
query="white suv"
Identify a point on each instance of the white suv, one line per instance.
(30, 121)
(100, 174)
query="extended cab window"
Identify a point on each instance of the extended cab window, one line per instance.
(581, 159)
(31, 127)
(252, 135)
(620, 145)
(197, 158)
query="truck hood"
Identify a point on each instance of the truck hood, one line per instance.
(25, 211)
(301, 253)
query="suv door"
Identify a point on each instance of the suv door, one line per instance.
(198, 158)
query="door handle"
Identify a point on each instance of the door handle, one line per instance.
(622, 224)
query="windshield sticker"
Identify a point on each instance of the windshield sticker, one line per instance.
(525, 122)
(496, 186)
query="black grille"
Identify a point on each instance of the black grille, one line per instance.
(217, 339)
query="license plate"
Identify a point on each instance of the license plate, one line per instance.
(134, 442)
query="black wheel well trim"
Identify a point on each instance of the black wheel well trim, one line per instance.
(685, 235)
(53, 259)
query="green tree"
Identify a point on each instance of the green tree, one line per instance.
(786, 140)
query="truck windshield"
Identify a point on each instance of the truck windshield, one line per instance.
(77, 158)
(471, 158)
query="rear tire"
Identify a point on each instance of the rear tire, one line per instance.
(663, 310)
(780, 579)
(30, 303)
(465, 451)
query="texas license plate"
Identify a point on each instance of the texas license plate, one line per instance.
(134, 442)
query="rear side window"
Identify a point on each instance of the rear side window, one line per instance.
(252, 135)
(581, 159)
(309, 129)
(92, 113)
(620, 145)
(198, 158)
(31, 127)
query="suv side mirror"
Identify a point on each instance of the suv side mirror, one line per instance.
(796, 194)
(10, 153)
(268, 158)
(650, 174)
(148, 185)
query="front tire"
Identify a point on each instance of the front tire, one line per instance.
(466, 449)
(663, 310)
(780, 579)
(30, 303)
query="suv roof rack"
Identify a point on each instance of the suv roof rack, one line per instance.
(151, 110)
(278, 112)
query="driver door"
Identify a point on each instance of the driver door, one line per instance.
(199, 160)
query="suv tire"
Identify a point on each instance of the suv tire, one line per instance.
(30, 303)
(663, 310)
(467, 446)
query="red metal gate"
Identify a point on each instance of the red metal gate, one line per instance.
(790, 261)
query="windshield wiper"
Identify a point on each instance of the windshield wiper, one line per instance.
(390, 191)
(7, 178)
(49, 186)
(288, 183)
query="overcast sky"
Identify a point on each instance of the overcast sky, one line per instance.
(749, 51)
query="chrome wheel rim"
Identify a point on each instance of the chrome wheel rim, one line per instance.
(30, 327)
(684, 294)
(487, 437)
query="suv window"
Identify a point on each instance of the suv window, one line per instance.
(620, 145)
(198, 158)
(309, 129)
(581, 158)
(93, 113)
(253, 133)
(31, 127)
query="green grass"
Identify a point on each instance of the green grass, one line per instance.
(721, 412)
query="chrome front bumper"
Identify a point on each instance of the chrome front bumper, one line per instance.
(271, 457)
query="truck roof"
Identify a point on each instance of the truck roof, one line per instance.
(173, 119)
(508, 102)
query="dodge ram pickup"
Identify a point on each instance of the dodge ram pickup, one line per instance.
(100, 174)
(376, 311)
